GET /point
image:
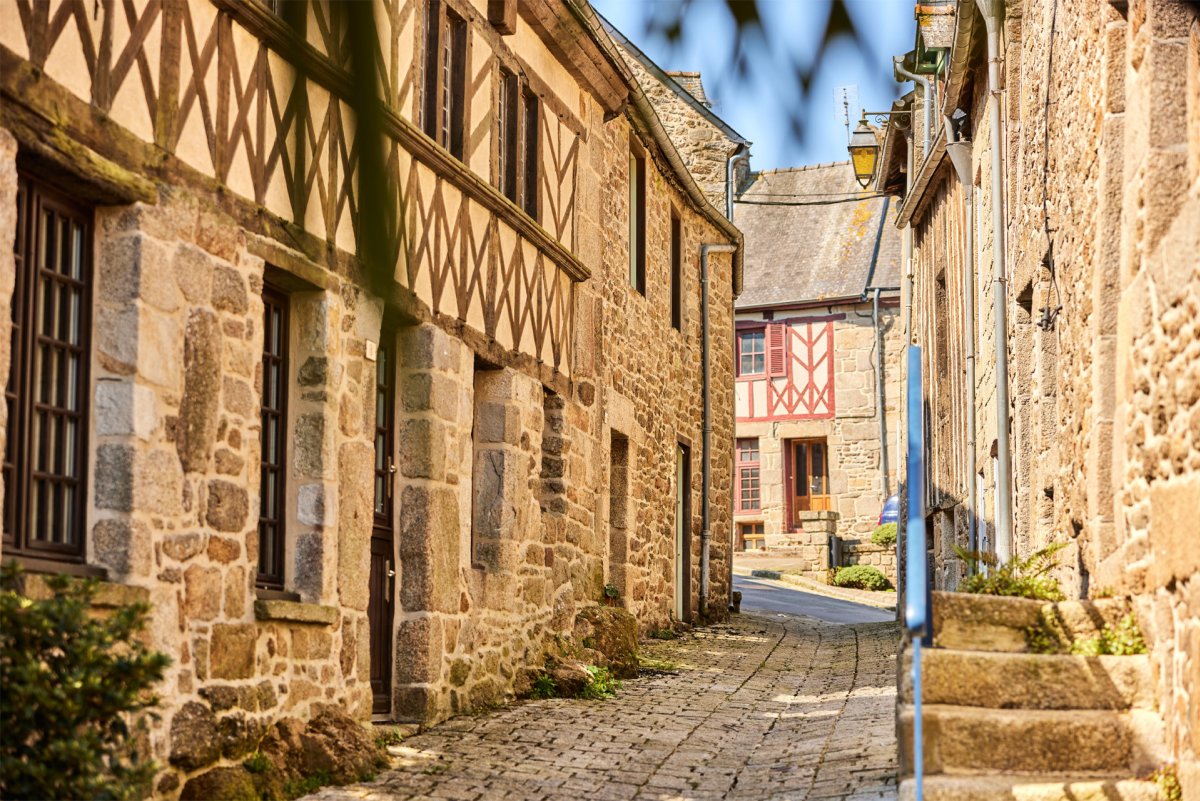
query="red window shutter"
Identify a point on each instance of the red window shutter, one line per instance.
(776, 349)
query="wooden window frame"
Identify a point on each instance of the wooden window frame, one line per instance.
(272, 561)
(755, 530)
(25, 395)
(742, 334)
(519, 141)
(748, 465)
(637, 218)
(676, 271)
(443, 89)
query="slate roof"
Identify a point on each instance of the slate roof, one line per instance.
(798, 253)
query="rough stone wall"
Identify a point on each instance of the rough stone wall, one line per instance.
(1103, 219)
(175, 476)
(8, 272)
(704, 147)
(852, 434)
(652, 393)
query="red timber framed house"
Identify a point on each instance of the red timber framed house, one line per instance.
(326, 470)
(816, 354)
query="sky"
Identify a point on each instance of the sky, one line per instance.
(757, 105)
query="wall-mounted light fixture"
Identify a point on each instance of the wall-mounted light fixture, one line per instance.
(864, 153)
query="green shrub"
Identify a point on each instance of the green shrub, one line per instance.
(862, 577)
(72, 683)
(884, 535)
(1124, 639)
(601, 684)
(544, 686)
(1019, 578)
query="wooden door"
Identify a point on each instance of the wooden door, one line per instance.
(683, 530)
(810, 476)
(381, 604)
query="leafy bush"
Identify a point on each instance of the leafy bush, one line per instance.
(1019, 578)
(544, 686)
(884, 535)
(601, 684)
(1124, 639)
(72, 682)
(862, 577)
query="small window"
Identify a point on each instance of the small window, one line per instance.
(510, 94)
(637, 221)
(752, 352)
(273, 489)
(530, 130)
(45, 459)
(752, 536)
(443, 113)
(676, 272)
(749, 489)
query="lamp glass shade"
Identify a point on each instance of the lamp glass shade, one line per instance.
(864, 150)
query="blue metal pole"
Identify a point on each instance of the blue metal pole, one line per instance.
(916, 594)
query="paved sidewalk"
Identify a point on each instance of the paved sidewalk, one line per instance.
(768, 707)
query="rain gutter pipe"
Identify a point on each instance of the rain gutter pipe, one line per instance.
(706, 436)
(927, 102)
(741, 154)
(960, 157)
(990, 9)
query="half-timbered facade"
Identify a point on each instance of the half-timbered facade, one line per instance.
(354, 390)
(815, 360)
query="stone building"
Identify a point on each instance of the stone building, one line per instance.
(818, 347)
(388, 484)
(1052, 214)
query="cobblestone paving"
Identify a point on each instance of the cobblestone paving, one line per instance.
(768, 707)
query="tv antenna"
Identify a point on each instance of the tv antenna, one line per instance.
(845, 98)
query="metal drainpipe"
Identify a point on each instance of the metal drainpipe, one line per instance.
(960, 156)
(1004, 547)
(898, 61)
(879, 402)
(741, 154)
(706, 436)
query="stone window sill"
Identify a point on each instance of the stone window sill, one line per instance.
(109, 595)
(295, 612)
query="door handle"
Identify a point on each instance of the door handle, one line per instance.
(388, 567)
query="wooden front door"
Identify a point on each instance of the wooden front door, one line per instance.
(683, 530)
(380, 606)
(810, 476)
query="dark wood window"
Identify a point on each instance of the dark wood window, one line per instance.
(637, 221)
(443, 113)
(519, 116)
(676, 272)
(510, 94)
(749, 487)
(273, 490)
(752, 352)
(45, 459)
(529, 133)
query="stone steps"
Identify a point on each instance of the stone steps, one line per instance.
(1010, 788)
(997, 680)
(993, 623)
(1093, 742)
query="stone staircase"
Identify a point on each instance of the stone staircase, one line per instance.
(1003, 724)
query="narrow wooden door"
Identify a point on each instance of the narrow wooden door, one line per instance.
(810, 474)
(381, 604)
(683, 529)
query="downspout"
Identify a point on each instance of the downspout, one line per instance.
(960, 156)
(906, 245)
(1004, 551)
(706, 436)
(741, 154)
(879, 384)
(898, 61)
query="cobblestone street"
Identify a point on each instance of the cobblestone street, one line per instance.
(772, 706)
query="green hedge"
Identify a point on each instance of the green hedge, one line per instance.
(884, 535)
(861, 577)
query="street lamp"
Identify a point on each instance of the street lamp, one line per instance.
(864, 151)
